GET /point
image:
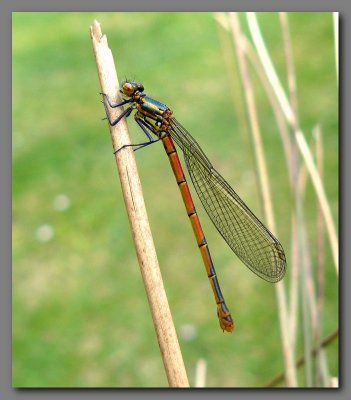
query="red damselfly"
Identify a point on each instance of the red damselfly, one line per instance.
(246, 235)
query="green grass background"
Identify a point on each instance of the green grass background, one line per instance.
(80, 313)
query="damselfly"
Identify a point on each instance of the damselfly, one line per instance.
(250, 240)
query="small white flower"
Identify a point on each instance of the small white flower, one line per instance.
(45, 232)
(61, 202)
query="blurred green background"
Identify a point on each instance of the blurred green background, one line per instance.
(80, 313)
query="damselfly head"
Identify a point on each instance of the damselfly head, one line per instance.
(130, 88)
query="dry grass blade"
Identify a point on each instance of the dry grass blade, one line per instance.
(336, 43)
(299, 136)
(301, 361)
(200, 375)
(264, 186)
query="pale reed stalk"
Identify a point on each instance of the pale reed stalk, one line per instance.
(299, 136)
(264, 186)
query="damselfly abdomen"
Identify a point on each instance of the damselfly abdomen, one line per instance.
(246, 235)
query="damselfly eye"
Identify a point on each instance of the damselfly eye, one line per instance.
(128, 89)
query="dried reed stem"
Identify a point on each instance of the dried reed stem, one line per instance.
(301, 361)
(336, 43)
(299, 136)
(298, 223)
(322, 366)
(133, 197)
(200, 375)
(286, 112)
(264, 186)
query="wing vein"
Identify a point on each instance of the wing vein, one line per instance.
(245, 234)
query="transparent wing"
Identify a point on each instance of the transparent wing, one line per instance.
(251, 241)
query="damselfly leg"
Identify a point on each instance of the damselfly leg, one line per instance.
(126, 114)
